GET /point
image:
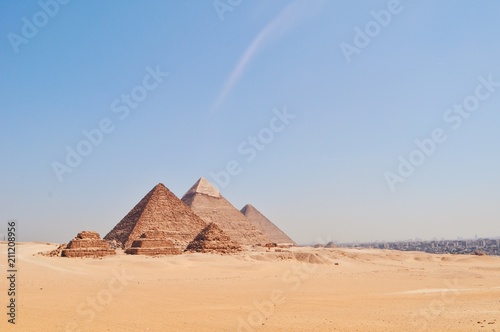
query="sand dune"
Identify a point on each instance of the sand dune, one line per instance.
(298, 289)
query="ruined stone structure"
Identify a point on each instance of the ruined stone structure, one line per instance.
(153, 243)
(87, 244)
(159, 210)
(213, 240)
(211, 206)
(54, 253)
(266, 226)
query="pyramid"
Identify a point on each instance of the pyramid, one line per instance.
(211, 206)
(159, 210)
(212, 239)
(265, 225)
(87, 244)
(153, 243)
(330, 245)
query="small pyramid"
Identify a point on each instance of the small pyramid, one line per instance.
(211, 206)
(159, 210)
(266, 226)
(87, 244)
(212, 239)
(153, 243)
(330, 244)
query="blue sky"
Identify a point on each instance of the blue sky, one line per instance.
(322, 175)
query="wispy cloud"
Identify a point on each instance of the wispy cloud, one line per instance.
(289, 17)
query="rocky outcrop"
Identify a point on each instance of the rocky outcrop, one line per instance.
(153, 243)
(54, 253)
(87, 244)
(213, 240)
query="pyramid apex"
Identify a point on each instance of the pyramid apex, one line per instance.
(159, 188)
(202, 186)
(247, 207)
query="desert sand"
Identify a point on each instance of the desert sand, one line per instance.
(305, 289)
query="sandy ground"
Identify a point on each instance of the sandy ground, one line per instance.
(369, 290)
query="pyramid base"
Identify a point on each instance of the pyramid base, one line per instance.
(153, 251)
(87, 253)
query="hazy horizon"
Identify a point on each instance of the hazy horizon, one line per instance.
(341, 121)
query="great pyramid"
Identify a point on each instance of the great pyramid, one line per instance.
(265, 225)
(211, 206)
(212, 239)
(159, 210)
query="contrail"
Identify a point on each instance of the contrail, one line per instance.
(289, 17)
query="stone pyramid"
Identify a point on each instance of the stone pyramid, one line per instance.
(265, 225)
(159, 210)
(87, 244)
(153, 243)
(212, 239)
(211, 206)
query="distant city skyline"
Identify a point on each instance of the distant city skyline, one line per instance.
(461, 247)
